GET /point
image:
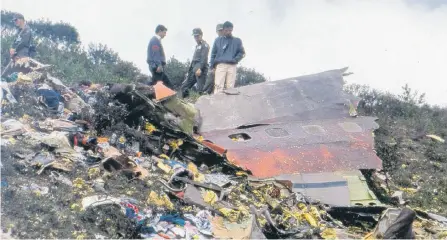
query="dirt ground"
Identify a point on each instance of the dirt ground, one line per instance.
(56, 214)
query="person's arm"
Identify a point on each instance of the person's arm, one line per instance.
(148, 58)
(240, 52)
(204, 55)
(25, 38)
(155, 54)
(213, 54)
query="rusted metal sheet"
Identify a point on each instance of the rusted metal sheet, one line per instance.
(302, 125)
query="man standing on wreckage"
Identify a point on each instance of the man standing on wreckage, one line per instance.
(199, 65)
(227, 52)
(22, 47)
(156, 57)
(208, 88)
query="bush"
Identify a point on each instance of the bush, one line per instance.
(412, 159)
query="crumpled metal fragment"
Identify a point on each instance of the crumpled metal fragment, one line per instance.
(219, 179)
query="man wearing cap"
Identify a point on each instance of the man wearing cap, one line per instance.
(219, 29)
(20, 49)
(156, 57)
(227, 52)
(199, 65)
(209, 84)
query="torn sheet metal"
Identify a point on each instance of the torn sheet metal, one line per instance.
(182, 114)
(359, 192)
(333, 188)
(187, 113)
(325, 187)
(311, 97)
(298, 125)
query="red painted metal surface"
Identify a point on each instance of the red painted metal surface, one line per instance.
(162, 92)
(301, 152)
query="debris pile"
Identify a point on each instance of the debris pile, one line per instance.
(134, 161)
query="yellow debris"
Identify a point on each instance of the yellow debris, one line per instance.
(329, 233)
(245, 211)
(302, 206)
(129, 192)
(193, 168)
(81, 236)
(231, 214)
(262, 221)
(12, 140)
(78, 183)
(437, 138)
(197, 175)
(122, 140)
(166, 168)
(160, 201)
(75, 206)
(175, 144)
(315, 213)
(241, 173)
(369, 236)
(409, 190)
(310, 219)
(200, 138)
(149, 128)
(288, 214)
(210, 197)
(187, 209)
(93, 172)
(25, 118)
(164, 156)
(417, 224)
(352, 110)
(23, 78)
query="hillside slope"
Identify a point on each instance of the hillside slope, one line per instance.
(416, 164)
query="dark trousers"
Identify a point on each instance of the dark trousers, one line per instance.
(161, 76)
(209, 84)
(193, 79)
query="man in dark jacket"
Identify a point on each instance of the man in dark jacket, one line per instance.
(156, 57)
(227, 52)
(20, 48)
(209, 84)
(199, 65)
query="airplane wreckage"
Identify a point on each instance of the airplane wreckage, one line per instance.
(279, 159)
